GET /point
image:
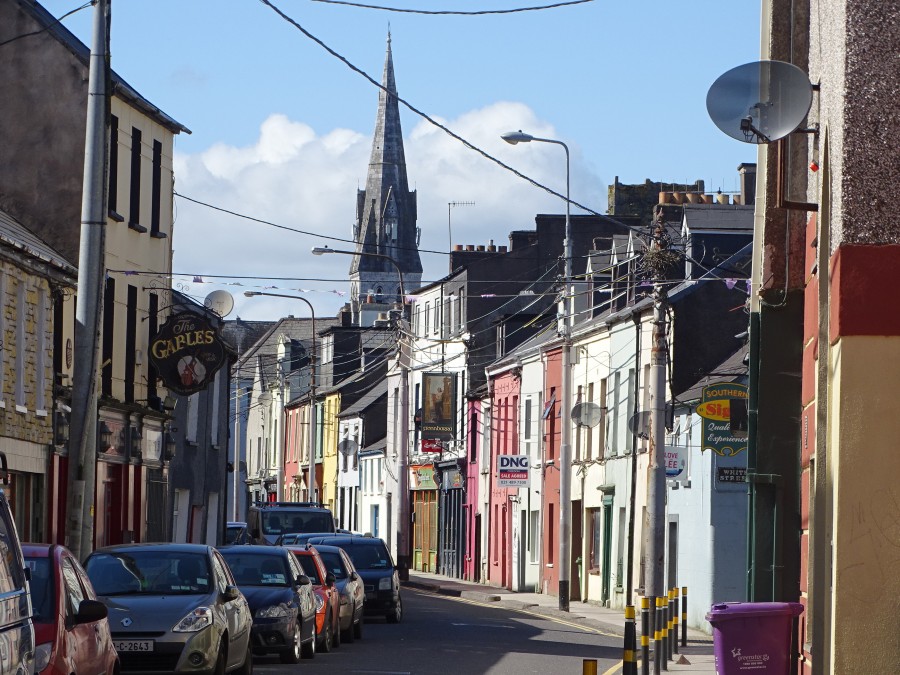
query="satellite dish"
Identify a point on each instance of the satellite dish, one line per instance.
(348, 447)
(760, 102)
(587, 414)
(639, 424)
(219, 302)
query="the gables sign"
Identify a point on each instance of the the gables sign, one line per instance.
(187, 352)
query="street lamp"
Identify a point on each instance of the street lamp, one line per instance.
(312, 387)
(402, 465)
(565, 451)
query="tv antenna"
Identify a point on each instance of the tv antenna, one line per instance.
(761, 101)
(450, 205)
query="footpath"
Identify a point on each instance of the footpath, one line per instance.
(697, 655)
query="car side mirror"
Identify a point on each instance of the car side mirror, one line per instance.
(329, 579)
(353, 576)
(303, 580)
(231, 593)
(90, 611)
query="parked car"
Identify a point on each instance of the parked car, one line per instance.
(269, 520)
(350, 586)
(328, 598)
(374, 564)
(236, 533)
(281, 600)
(70, 625)
(16, 625)
(173, 608)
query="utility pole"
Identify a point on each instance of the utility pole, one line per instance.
(656, 478)
(83, 438)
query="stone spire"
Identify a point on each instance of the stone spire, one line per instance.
(386, 209)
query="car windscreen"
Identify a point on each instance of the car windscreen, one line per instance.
(42, 589)
(254, 569)
(368, 556)
(334, 564)
(309, 568)
(285, 520)
(150, 572)
(232, 533)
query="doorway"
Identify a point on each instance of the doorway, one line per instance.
(425, 530)
(578, 550)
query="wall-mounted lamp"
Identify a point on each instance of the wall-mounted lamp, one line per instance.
(170, 402)
(136, 443)
(170, 446)
(104, 436)
(62, 428)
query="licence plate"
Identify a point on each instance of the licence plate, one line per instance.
(133, 645)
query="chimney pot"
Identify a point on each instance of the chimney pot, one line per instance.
(457, 247)
(501, 249)
(470, 247)
(480, 247)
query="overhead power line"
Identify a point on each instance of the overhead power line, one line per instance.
(453, 12)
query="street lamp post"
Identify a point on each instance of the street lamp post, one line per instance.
(403, 462)
(565, 451)
(312, 388)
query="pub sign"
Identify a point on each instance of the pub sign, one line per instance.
(187, 352)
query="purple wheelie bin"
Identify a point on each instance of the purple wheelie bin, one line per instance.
(752, 638)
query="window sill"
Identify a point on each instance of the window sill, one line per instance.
(21, 409)
(159, 235)
(140, 229)
(595, 571)
(41, 413)
(116, 216)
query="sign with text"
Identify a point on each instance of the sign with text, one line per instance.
(512, 471)
(676, 462)
(421, 477)
(715, 409)
(732, 474)
(187, 352)
(432, 445)
(439, 406)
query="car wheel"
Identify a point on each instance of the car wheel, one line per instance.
(327, 642)
(347, 635)
(247, 667)
(336, 641)
(357, 629)
(396, 615)
(292, 653)
(308, 650)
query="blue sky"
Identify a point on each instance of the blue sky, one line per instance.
(282, 129)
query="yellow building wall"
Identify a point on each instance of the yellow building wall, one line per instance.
(329, 450)
(863, 445)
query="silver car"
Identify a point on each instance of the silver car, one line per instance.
(173, 608)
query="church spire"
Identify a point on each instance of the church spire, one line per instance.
(386, 209)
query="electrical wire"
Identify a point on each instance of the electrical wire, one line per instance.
(451, 12)
(48, 26)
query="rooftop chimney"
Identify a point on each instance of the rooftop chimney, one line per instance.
(748, 183)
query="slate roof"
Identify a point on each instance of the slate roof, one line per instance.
(16, 235)
(710, 217)
(732, 369)
(368, 399)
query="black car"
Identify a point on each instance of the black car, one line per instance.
(173, 608)
(267, 521)
(374, 564)
(281, 600)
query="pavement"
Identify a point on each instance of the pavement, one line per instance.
(696, 657)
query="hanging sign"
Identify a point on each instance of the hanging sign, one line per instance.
(676, 462)
(187, 352)
(715, 409)
(439, 406)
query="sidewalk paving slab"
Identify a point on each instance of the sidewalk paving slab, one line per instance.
(697, 654)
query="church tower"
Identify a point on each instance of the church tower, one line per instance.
(385, 210)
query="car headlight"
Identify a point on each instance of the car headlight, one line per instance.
(42, 656)
(385, 584)
(274, 611)
(198, 619)
(320, 602)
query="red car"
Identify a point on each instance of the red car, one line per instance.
(70, 626)
(328, 600)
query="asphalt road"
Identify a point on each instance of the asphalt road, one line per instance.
(447, 635)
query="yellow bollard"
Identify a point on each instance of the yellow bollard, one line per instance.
(589, 667)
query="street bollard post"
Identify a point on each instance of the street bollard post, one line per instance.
(645, 636)
(675, 619)
(629, 667)
(589, 667)
(664, 608)
(684, 616)
(673, 635)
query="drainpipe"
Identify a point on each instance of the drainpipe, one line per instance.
(629, 573)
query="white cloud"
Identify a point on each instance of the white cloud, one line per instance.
(293, 177)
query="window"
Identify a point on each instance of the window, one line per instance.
(113, 197)
(40, 403)
(193, 403)
(601, 428)
(130, 342)
(109, 324)
(156, 194)
(152, 311)
(73, 590)
(614, 441)
(437, 316)
(214, 421)
(21, 346)
(629, 404)
(425, 332)
(526, 427)
(596, 516)
(589, 431)
(134, 206)
(534, 536)
(551, 529)
(578, 428)
(473, 437)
